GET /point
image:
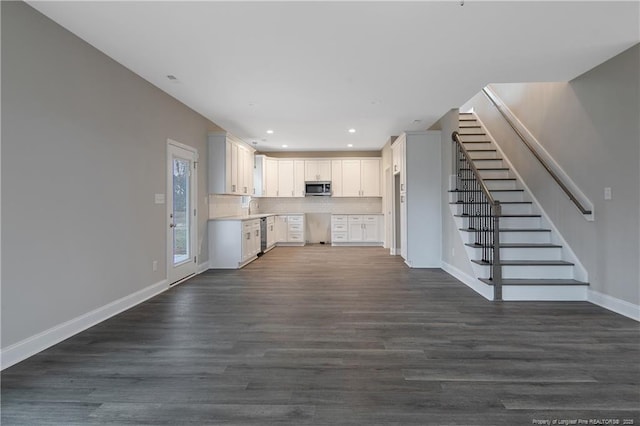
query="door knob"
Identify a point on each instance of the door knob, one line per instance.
(172, 225)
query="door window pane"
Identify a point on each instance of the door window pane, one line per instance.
(181, 217)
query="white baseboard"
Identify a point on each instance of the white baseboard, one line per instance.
(32, 345)
(479, 287)
(614, 304)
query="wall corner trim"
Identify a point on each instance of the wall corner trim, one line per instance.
(614, 304)
(30, 346)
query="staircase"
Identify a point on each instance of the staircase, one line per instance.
(534, 265)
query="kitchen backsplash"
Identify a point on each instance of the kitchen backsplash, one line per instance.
(226, 205)
(343, 205)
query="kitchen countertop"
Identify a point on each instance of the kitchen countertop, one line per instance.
(254, 216)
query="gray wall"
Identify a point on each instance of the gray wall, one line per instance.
(590, 127)
(84, 152)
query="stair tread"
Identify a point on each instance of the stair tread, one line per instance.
(516, 245)
(490, 178)
(483, 141)
(501, 202)
(492, 190)
(505, 169)
(535, 281)
(482, 150)
(502, 215)
(484, 159)
(511, 230)
(527, 262)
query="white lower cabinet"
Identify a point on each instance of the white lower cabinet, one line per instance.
(233, 243)
(356, 229)
(290, 229)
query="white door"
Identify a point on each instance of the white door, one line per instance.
(181, 212)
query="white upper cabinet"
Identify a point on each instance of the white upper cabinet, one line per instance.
(280, 177)
(298, 178)
(270, 178)
(230, 165)
(336, 178)
(317, 170)
(351, 178)
(370, 178)
(359, 178)
(285, 178)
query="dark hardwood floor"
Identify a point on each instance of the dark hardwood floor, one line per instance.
(334, 336)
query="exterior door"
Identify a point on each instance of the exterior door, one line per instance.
(181, 212)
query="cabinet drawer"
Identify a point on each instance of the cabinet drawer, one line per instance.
(355, 219)
(371, 219)
(295, 237)
(296, 219)
(338, 219)
(295, 227)
(339, 237)
(339, 227)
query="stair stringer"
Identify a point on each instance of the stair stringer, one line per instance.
(579, 271)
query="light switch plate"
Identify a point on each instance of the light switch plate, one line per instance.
(607, 193)
(159, 198)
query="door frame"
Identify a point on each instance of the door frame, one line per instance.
(193, 198)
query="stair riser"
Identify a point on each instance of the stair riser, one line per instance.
(525, 237)
(478, 145)
(511, 237)
(488, 163)
(482, 154)
(475, 138)
(508, 196)
(506, 208)
(523, 253)
(534, 272)
(471, 131)
(513, 222)
(494, 174)
(501, 184)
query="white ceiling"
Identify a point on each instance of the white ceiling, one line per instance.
(312, 70)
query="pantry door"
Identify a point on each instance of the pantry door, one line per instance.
(182, 219)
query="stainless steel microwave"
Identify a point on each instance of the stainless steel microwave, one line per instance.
(317, 188)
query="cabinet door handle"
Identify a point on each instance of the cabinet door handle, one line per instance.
(233, 188)
(257, 233)
(248, 235)
(402, 187)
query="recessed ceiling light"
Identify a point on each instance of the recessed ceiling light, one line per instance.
(350, 145)
(270, 131)
(172, 77)
(417, 121)
(352, 130)
(285, 146)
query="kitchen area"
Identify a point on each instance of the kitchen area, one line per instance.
(258, 201)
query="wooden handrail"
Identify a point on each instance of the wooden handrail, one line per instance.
(535, 153)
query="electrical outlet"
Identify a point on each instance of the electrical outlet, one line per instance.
(607, 193)
(155, 265)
